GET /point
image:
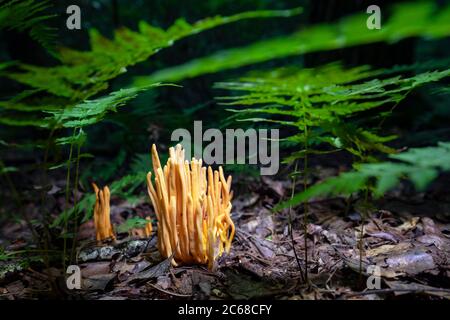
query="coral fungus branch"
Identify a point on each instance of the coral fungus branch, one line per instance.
(102, 218)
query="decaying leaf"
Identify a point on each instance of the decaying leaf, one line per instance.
(154, 272)
(408, 225)
(411, 287)
(97, 282)
(388, 249)
(412, 263)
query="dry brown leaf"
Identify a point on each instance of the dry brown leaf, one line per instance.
(408, 225)
(387, 249)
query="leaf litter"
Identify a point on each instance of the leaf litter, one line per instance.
(412, 253)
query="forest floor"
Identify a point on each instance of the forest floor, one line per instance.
(406, 235)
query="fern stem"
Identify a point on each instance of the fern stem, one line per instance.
(305, 183)
(361, 233)
(305, 203)
(66, 206)
(393, 108)
(75, 190)
(294, 178)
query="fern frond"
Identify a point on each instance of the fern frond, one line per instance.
(28, 16)
(324, 99)
(92, 111)
(77, 139)
(414, 19)
(85, 73)
(420, 165)
(321, 98)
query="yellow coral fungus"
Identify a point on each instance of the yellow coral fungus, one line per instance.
(192, 205)
(102, 219)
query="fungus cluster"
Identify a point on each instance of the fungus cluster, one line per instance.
(102, 219)
(192, 205)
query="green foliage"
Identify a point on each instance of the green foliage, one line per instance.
(124, 188)
(132, 223)
(105, 170)
(93, 111)
(5, 170)
(420, 165)
(77, 139)
(243, 170)
(62, 90)
(324, 100)
(28, 16)
(413, 19)
(85, 73)
(79, 115)
(141, 162)
(70, 162)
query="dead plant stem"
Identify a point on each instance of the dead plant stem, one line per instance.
(294, 178)
(66, 206)
(75, 201)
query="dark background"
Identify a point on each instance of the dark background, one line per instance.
(161, 111)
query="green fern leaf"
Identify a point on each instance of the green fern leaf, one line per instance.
(420, 165)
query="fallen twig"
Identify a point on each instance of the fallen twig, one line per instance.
(169, 292)
(378, 291)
